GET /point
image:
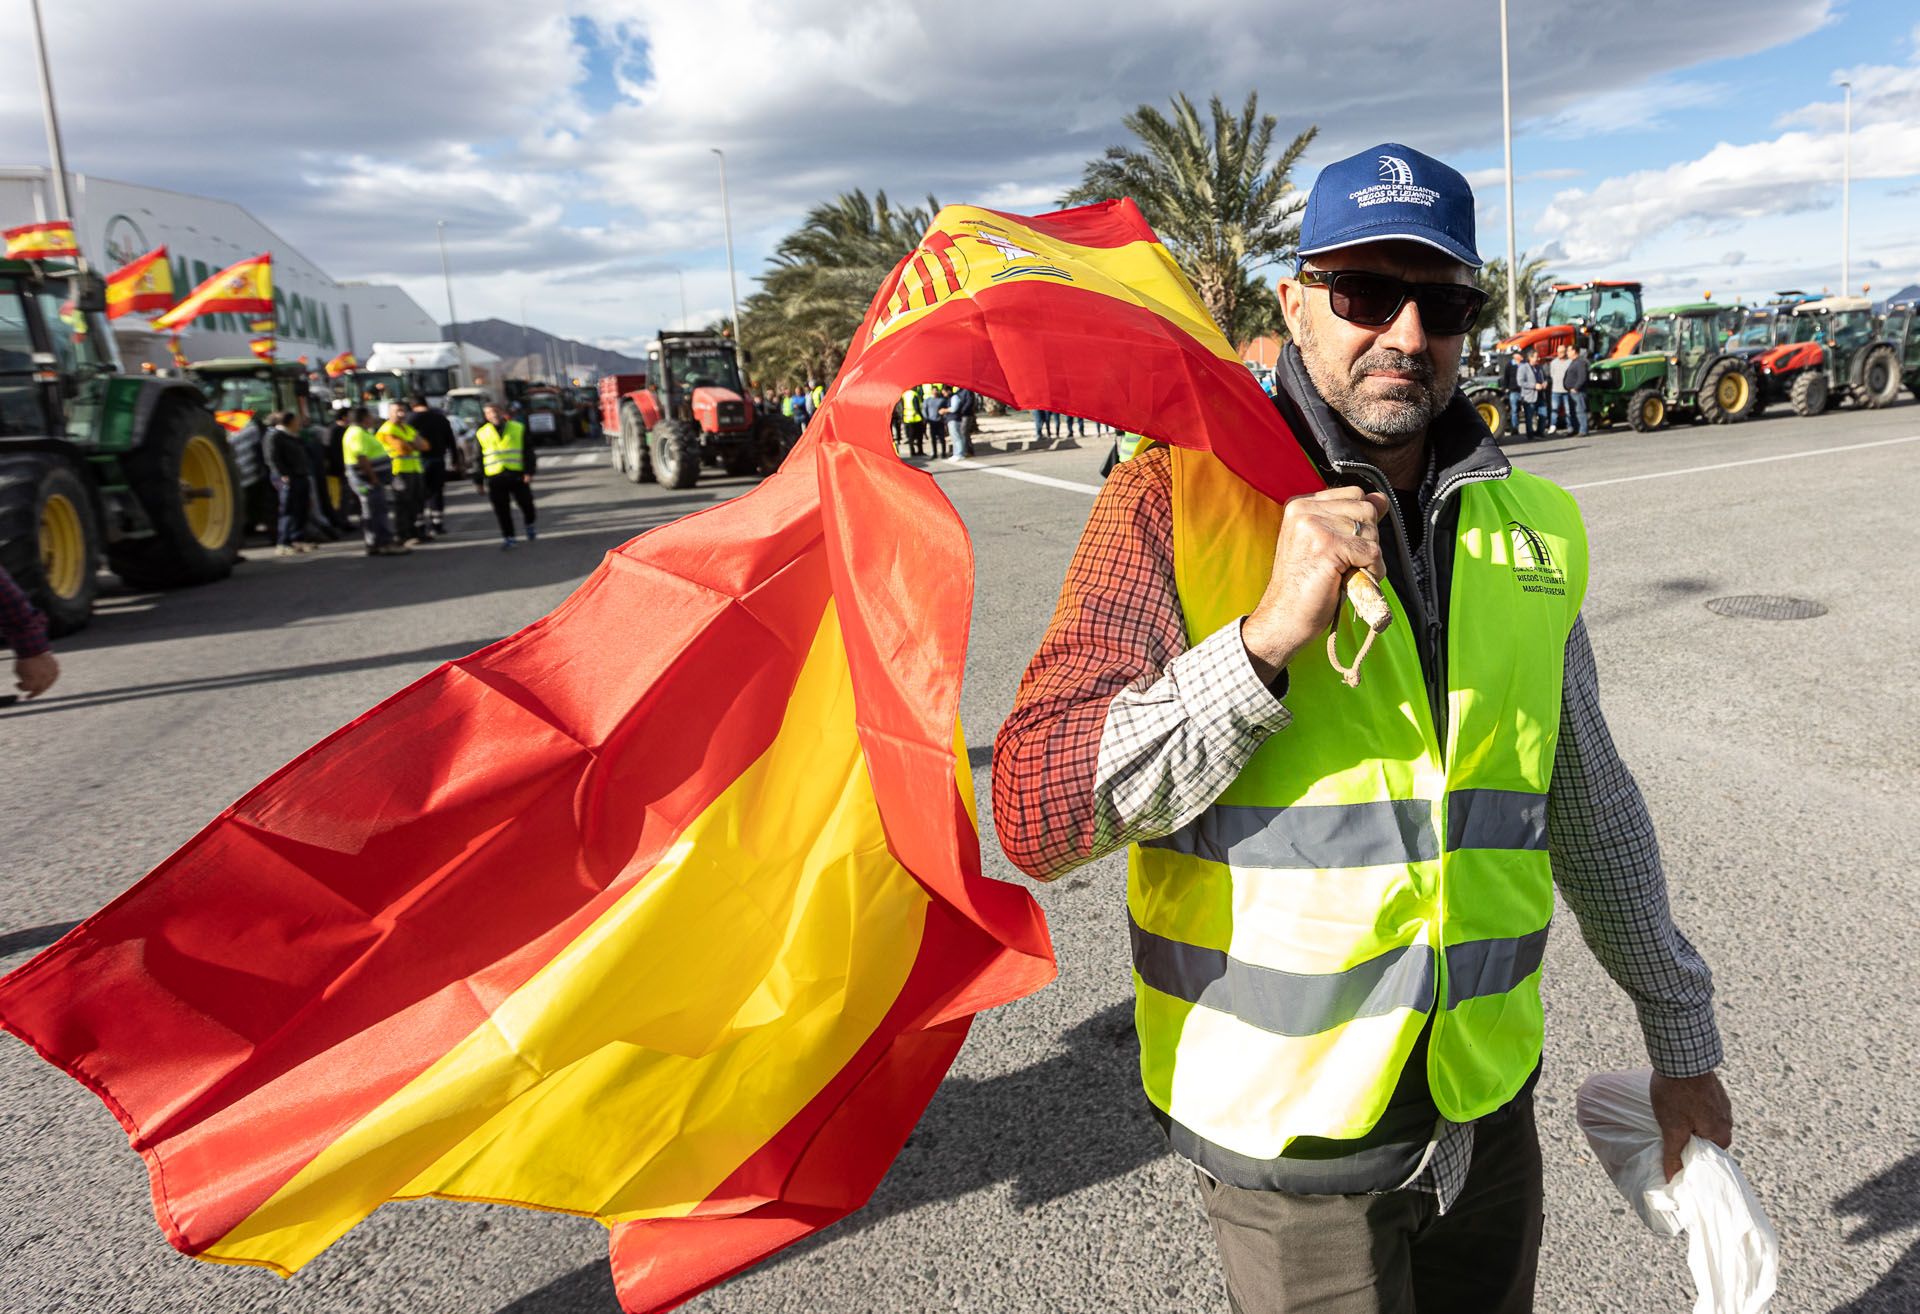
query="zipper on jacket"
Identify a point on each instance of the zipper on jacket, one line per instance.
(1440, 496)
(1430, 642)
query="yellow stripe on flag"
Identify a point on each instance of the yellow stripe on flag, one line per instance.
(656, 1053)
(969, 250)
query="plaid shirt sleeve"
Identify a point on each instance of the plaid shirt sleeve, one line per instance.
(22, 627)
(1120, 732)
(1606, 861)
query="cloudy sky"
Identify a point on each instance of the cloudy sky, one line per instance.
(1695, 144)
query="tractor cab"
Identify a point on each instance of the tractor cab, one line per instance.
(699, 380)
(1597, 314)
(690, 409)
(56, 352)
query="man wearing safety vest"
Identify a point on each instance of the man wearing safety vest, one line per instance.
(1338, 896)
(912, 423)
(405, 447)
(369, 472)
(506, 463)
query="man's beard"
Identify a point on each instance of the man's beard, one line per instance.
(1402, 415)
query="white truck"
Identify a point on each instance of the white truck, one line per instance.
(427, 369)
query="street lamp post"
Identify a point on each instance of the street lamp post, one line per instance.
(1846, 198)
(57, 156)
(453, 318)
(681, 274)
(726, 215)
(1506, 119)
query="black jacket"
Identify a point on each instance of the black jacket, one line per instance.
(286, 454)
(433, 426)
(1576, 380)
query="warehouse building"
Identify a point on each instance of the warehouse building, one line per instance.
(317, 315)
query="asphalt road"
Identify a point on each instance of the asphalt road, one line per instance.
(1777, 756)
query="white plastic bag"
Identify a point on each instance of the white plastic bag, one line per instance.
(1731, 1248)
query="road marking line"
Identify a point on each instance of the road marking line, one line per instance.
(575, 460)
(1092, 490)
(1755, 460)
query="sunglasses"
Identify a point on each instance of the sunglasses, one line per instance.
(1373, 300)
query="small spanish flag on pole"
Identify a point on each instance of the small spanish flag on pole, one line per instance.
(242, 288)
(173, 350)
(262, 347)
(682, 942)
(50, 241)
(141, 285)
(341, 364)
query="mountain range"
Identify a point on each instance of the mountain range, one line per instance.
(527, 352)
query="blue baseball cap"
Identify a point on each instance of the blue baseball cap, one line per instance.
(1391, 192)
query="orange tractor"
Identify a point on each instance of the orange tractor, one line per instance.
(689, 409)
(1597, 316)
(1829, 351)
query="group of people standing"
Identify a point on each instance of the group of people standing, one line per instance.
(398, 472)
(1547, 392)
(936, 412)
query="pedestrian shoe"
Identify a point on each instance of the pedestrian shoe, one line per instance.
(284, 551)
(414, 542)
(506, 544)
(304, 548)
(532, 533)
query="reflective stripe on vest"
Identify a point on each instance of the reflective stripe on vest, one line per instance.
(1291, 942)
(910, 406)
(1130, 445)
(398, 437)
(501, 453)
(359, 445)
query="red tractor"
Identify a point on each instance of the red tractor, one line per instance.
(689, 409)
(1829, 352)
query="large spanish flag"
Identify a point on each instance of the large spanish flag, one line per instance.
(244, 287)
(668, 909)
(48, 241)
(141, 285)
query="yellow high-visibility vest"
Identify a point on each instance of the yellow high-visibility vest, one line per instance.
(502, 452)
(1366, 875)
(398, 437)
(358, 444)
(910, 406)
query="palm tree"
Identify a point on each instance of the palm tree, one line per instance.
(1536, 283)
(1222, 206)
(822, 277)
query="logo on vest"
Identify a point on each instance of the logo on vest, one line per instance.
(1533, 563)
(1396, 187)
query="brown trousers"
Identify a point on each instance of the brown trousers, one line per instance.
(1393, 1253)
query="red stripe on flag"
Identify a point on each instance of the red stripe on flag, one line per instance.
(346, 923)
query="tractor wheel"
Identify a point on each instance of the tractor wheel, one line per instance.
(1879, 379)
(1492, 414)
(1727, 394)
(1809, 395)
(1647, 410)
(634, 462)
(184, 477)
(773, 437)
(49, 539)
(674, 446)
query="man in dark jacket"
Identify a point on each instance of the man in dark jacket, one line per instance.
(959, 411)
(286, 457)
(1576, 385)
(442, 455)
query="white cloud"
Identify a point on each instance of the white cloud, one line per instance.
(1799, 170)
(351, 127)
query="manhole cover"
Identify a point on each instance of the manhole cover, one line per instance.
(1765, 606)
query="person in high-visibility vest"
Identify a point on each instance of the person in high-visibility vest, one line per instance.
(506, 464)
(912, 422)
(1339, 882)
(369, 473)
(815, 395)
(406, 447)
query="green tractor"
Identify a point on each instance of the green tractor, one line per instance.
(1682, 367)
(1902, 330)
(97, 464)
(1593, 316)
(237, 389)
